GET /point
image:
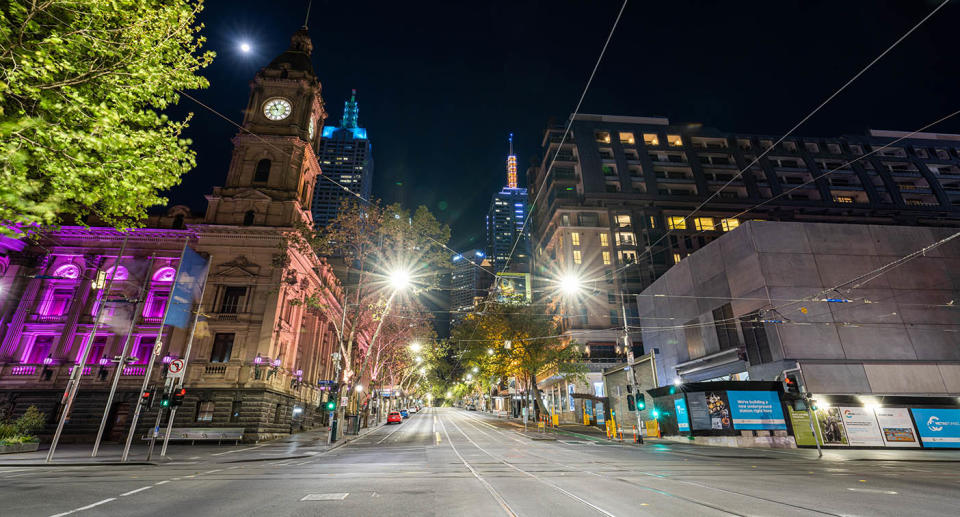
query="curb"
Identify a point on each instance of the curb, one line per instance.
(81, 464)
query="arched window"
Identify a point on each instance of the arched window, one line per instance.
(178, 222)
(248, 218)
(262, 174)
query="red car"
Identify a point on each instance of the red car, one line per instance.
(394, 418)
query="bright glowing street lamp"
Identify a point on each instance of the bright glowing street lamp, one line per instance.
(400, 279)
(570, 284)
(245, 47)
(489, 351)
(475, 369)
(359, 387)
(419, 359)
(469, 376)
(415, 347)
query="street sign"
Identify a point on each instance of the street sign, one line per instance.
(176, 368)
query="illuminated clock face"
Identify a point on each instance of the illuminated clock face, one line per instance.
(277, 109)
(311, 129)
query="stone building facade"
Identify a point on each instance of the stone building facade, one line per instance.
(258, 355)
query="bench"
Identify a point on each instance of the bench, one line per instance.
(195, 434)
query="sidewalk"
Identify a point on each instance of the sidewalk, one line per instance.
(301, 444)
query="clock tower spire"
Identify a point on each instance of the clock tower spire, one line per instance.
(274, 165)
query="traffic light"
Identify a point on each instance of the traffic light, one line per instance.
(630, 403)
(331, 405)
(147, 398)
(641, 402)
(178, 396)
(791, 383)
(165, 400)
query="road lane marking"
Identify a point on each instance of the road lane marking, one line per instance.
(164, 482)
(141, 489)
(87, 507)
(534, 476)
(238, 450)
(438, 437)
(496, 495)
(326, 497)
(212, 471)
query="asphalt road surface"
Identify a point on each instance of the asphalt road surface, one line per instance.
(449, 462)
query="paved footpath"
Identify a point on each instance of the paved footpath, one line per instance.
(452, 462)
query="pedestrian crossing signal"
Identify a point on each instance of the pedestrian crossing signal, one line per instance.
(178, 396)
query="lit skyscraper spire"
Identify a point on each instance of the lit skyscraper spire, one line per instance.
(511, 166)
(351, 111)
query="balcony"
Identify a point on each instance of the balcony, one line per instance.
(57, 318)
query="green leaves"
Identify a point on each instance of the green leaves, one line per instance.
(81, 86)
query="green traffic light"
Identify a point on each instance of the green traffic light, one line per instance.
(641, 406)
(165, 402)
(331, 406)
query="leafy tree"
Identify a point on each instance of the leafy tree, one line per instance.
(373, 241)
(82, 84)
(516, 340)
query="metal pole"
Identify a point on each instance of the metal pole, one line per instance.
(150, 360)
(123, 360)
(812, 428)
(628, 344)
(73, 385)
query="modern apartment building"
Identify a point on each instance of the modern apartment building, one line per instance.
(612, 208)
(346, 157)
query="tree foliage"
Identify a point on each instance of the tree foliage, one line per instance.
(82, 88)
(515, 340)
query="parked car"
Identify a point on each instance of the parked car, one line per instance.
(404, 413)
(413, 409)
(394, 418)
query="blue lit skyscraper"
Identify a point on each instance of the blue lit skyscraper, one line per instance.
(508, 210)
(346, 157)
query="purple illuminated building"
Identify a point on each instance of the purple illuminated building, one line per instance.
(258, 354)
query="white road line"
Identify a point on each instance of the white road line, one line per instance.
(212, 471)
(238, 450)
(391, 433)
(141, 489)
(534, 476)
(496, 495)
(164, 482)
(87, 507)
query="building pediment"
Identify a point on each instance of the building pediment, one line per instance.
(252, 194)
(240, 266)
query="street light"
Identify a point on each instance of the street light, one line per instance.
(359, 387)
(400, 279)
(469, 376)
(489, 351)
(475, 369)
(419, 359)
(570, 284)
(415, 347)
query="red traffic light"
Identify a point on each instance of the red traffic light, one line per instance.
(178, 396)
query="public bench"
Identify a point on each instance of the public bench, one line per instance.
(201, 434)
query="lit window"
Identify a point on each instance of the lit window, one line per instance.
(625, 239)
(843, 199)
(674, 140)
(676, 258)
(628, 256)
(577, 258)
(627, 138)
(703, 223)
(606, 258)
(729, 224)
(575, 238)
(623, 221)
(650, 139)
(676, 223)
(653, 221)
(604, 239)
(603, 137)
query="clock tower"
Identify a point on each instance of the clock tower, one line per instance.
(274, 165)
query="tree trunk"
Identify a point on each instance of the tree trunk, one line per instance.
(538, 407)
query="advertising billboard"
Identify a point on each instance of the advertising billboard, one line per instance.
(861, 426)
(699, 411)
(756, 410)
(719, 410)
(683, 419)
(801, 427)
(938, 427)
(896, 427)
(830, 426)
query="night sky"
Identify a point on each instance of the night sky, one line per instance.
(440, 85)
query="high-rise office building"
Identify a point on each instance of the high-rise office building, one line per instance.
(346, 157)
(613, 208)
(468, 283)
(505, 224)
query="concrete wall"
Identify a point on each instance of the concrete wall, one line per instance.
(899, 335)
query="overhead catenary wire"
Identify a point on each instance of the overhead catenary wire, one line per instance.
(802, 121)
